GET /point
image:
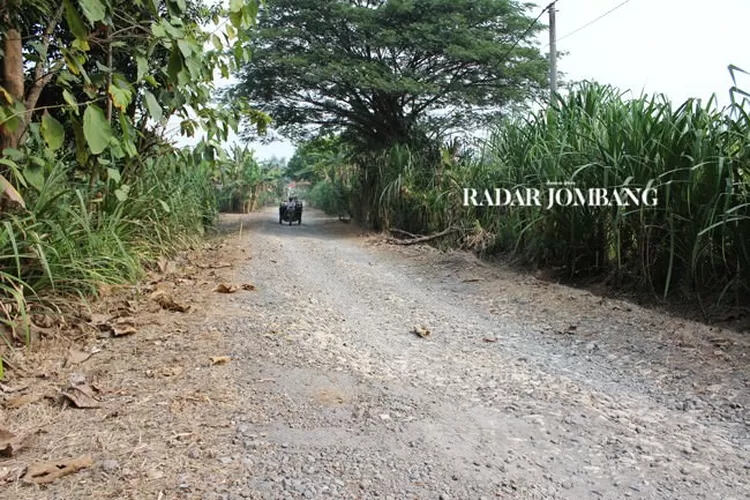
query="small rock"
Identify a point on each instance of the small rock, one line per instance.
(194, 453)
(109, 465)
(182, 482)
(225, 460)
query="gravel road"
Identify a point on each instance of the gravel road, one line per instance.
(522, 389)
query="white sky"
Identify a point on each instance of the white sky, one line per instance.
(680, 48)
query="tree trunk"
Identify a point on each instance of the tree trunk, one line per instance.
(13, 76)
(253, 198)
(94, 179)
(13, 79)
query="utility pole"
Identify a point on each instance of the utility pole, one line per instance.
(552, 51)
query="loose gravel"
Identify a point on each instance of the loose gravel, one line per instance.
(522, 389)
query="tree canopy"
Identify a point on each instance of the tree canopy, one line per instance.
(381, 70)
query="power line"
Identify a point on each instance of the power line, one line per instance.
(531, 26)
(593, 21)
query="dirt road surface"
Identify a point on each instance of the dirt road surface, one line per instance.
(517, 388)
(522, 389)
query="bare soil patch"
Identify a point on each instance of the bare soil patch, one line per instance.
(129, 399)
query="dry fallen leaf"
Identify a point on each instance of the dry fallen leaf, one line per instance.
(9, 443)
(125, 308)
(219, 360)
(224, 288)
(44, 473)
(124, 326)
(166, 302)
(76, 357)
(81, 396)
(100, 321)
(421, 331)
(121, 331)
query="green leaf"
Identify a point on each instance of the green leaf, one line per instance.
(153, 106)
(65, 78)
(165, 206)
(103, 68)
(142, 64)
(120, 93)
(252, 11)
(158, 31)
(117, 152)
(53, 132)
(127, 137)
(71, 100)
(175, 63)
(94, 10)
(235, 5)
(217, 42)
(185, 47)
(172, 30)
(121, 194)
(39, 48)
(238, 54)
(114, 175)
(82, 45)
(96, 129)
(236, 19)
(75, 23)
(34, 175)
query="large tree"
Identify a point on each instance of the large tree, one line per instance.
(383, 69)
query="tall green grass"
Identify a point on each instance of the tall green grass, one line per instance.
(696, 240)
(330, 196)
(61, 247)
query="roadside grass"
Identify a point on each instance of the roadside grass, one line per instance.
(694, 243)
(61, 249)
